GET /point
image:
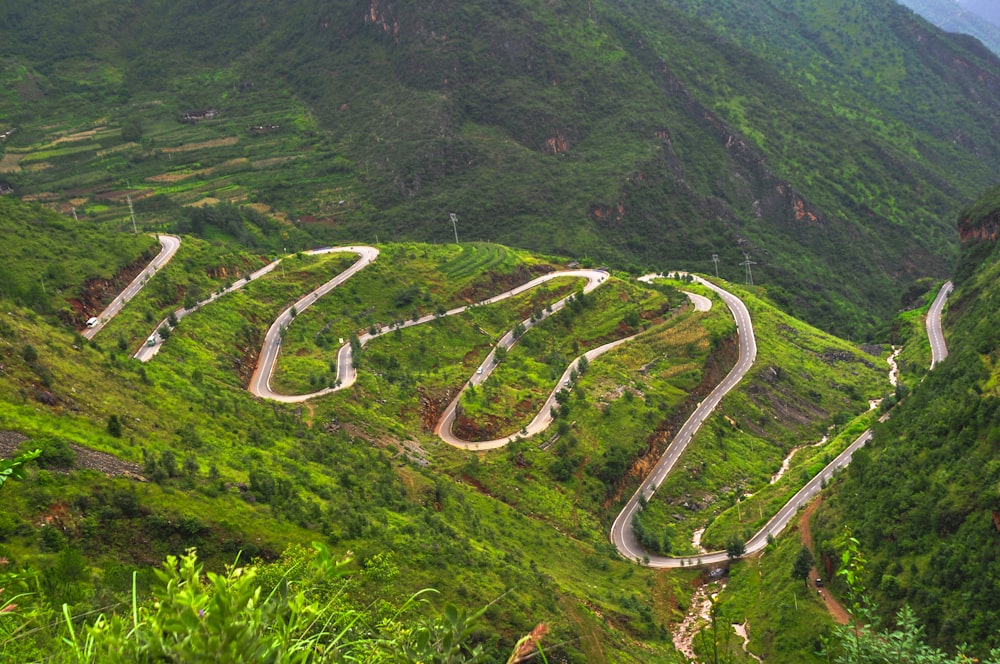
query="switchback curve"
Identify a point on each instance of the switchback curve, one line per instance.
(168, 247)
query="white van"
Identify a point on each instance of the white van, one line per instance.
(92, 322)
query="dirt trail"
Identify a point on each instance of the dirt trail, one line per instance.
(838, 612)
(590, 640)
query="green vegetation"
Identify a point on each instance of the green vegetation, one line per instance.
(227, 474)
(830, 141)
(406, 283)
(786, 622)
(806, 390)
(922, 497)
(521, 531)
(47, 262)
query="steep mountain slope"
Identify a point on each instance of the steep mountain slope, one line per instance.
(979, 19)
(924, 499)
(827, 140)
(53, 264)
(362, 469)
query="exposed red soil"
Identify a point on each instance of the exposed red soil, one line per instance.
(837, 611)
(97, 293)
(716, 367)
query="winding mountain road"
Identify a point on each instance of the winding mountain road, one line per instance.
(366, 256)
(939, 349)
(168, 247)
(260, 384)
(622, 535)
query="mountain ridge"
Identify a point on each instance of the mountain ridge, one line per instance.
(557, 128)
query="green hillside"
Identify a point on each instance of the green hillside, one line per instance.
(923, 499)
(828, 146)
(522, 530)
(830, 141)
(54, 265)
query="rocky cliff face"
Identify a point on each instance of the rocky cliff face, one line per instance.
(981, 221)
(981, 228)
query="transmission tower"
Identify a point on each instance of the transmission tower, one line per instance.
(454, 226)
(131, 211)
(715, 259)
(747, 262)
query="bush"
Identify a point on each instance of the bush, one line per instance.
(55, 453)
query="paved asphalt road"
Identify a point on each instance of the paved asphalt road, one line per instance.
(544, 418)
(346, 373)
(622, 535)
(624, 538)
(168, 247)
(147, 350)
(260, 383)
(939, 349)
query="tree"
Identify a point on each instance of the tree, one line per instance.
(500, 355)
(114, 426)
(735, 547)
(29, 354)
(803, 565)
(132, 130)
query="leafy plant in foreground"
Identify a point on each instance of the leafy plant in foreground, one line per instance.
(860, 642)
(14, 468)
(295, 611)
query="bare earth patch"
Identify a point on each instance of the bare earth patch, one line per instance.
(837, 611)
(208, 200)
(8, 164)
(170, 178)
(78, 136)
(214, 143)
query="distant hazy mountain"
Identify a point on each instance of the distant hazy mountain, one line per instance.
(988, 9)
(979, 18)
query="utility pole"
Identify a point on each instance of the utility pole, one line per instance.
(747, 262)
(715, 259)
(454, 226)
(131, 211)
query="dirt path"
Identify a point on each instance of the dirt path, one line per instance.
(590, 640)
(838, 612)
